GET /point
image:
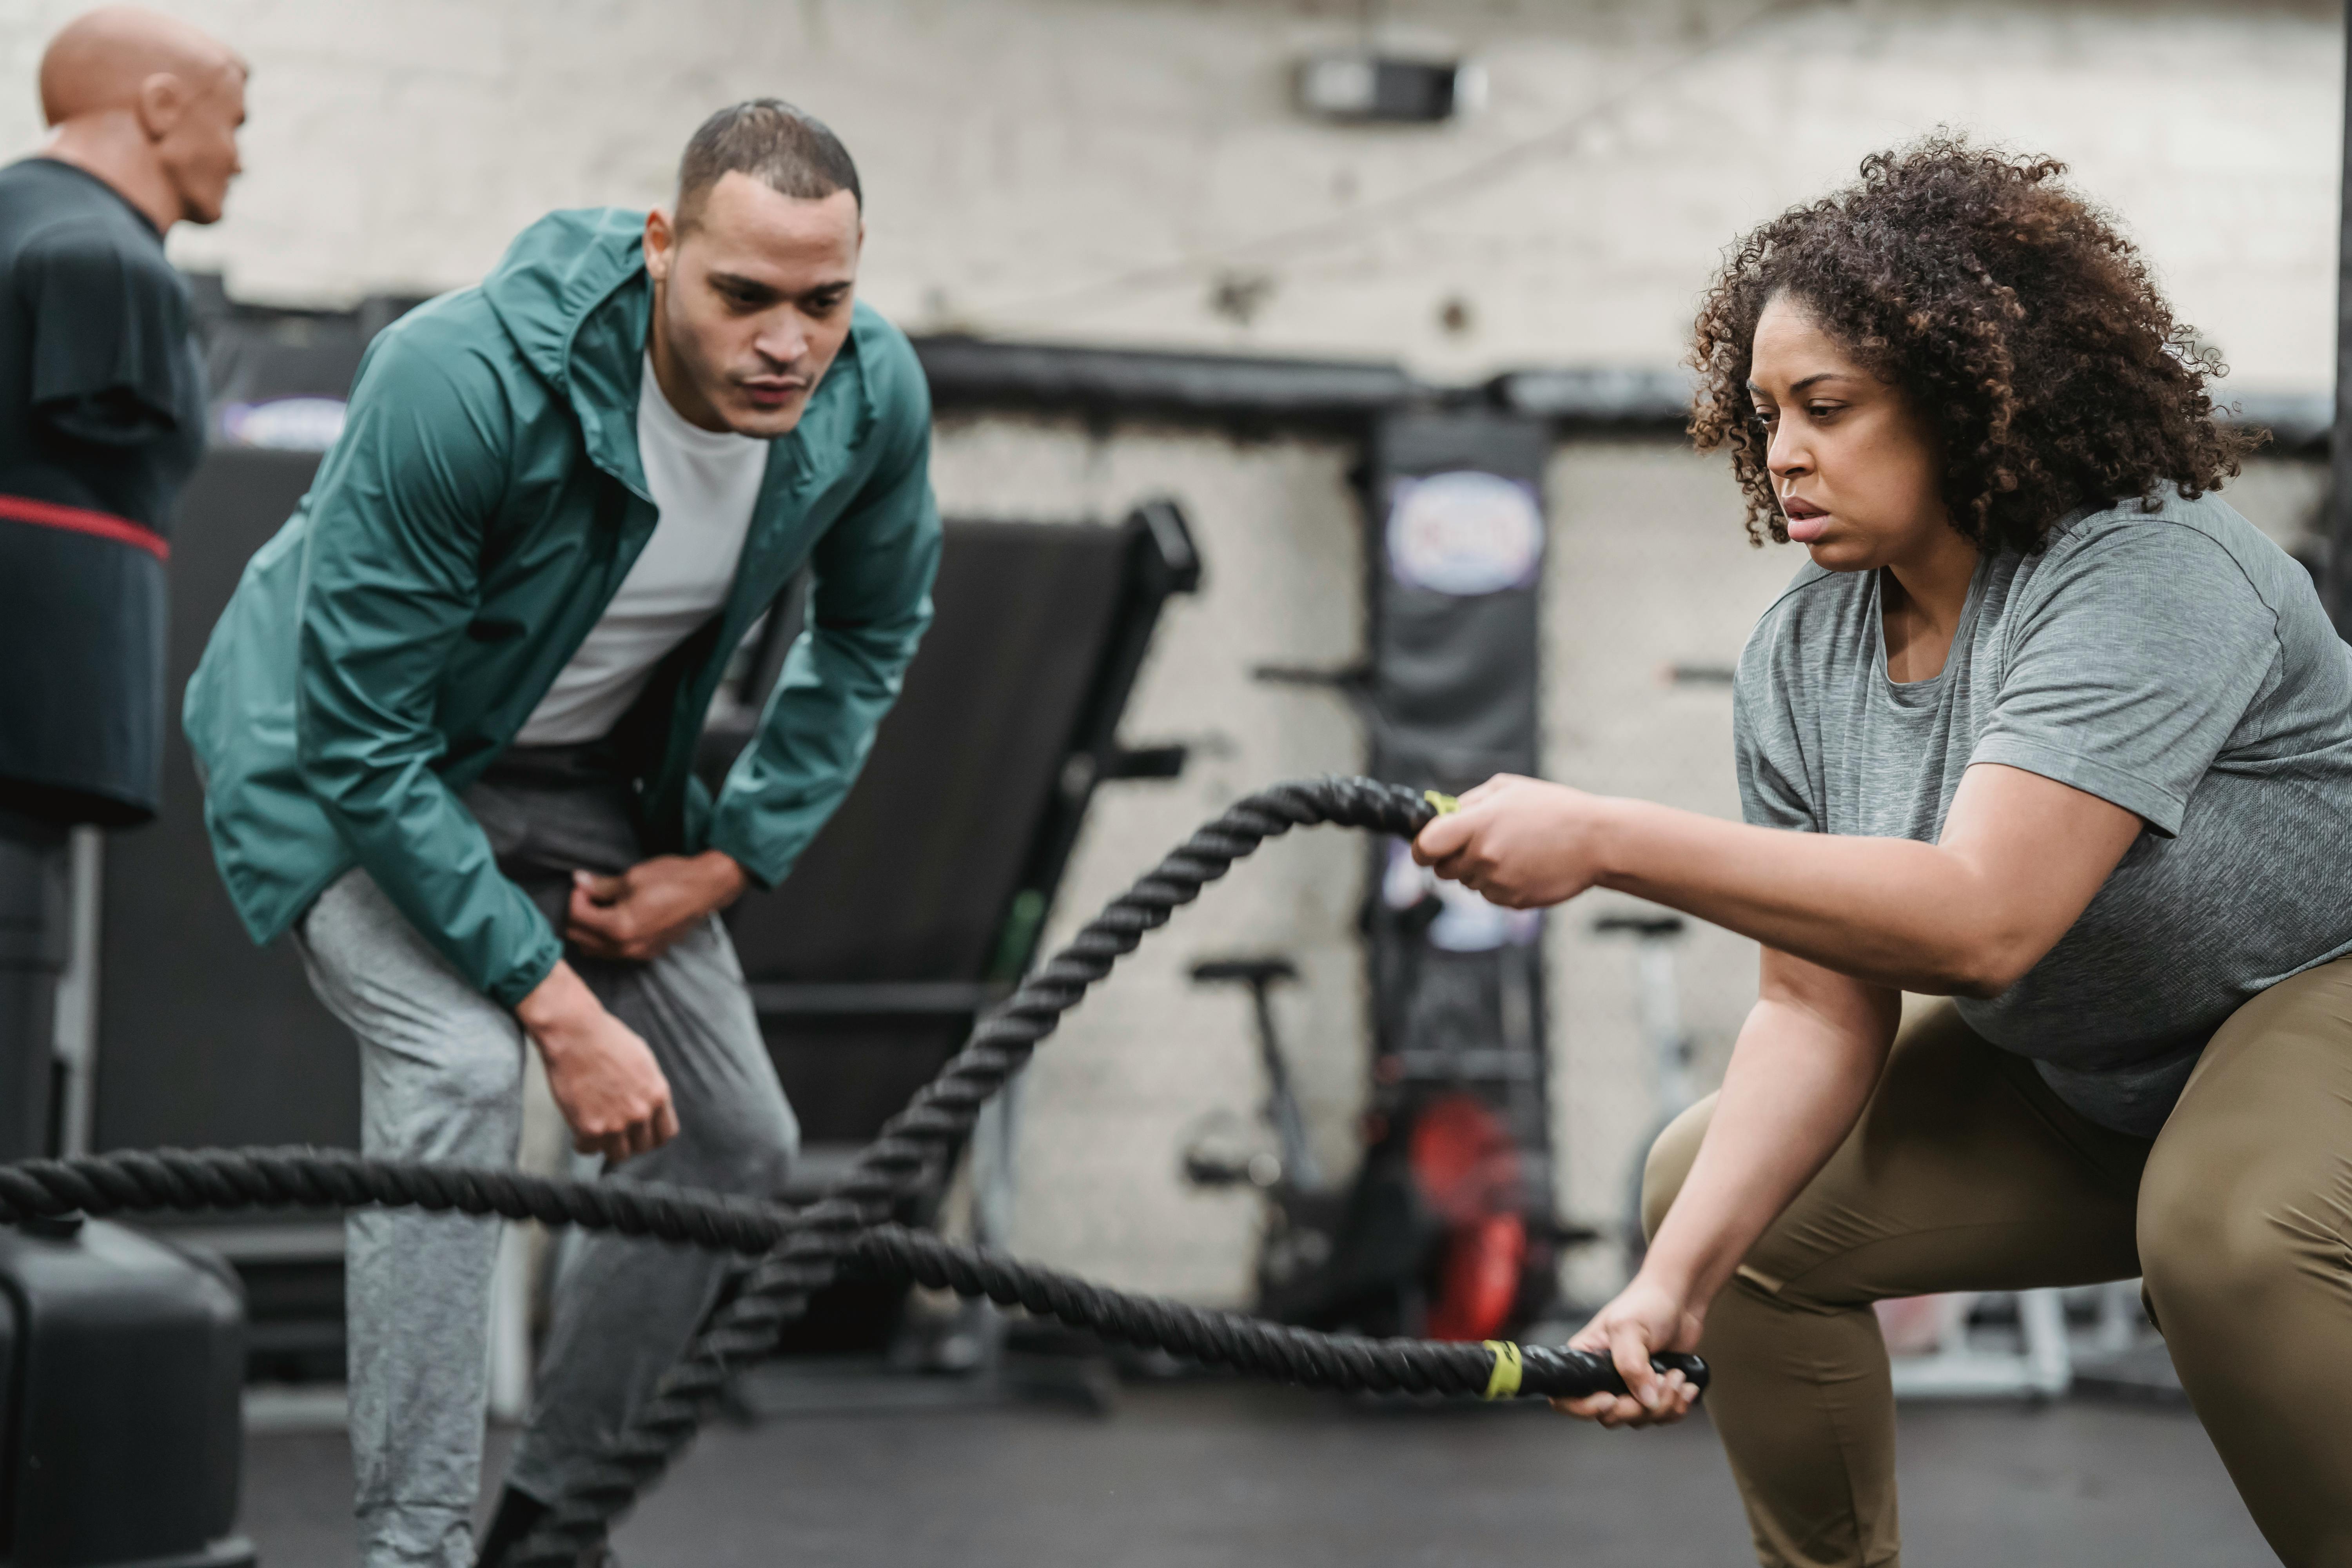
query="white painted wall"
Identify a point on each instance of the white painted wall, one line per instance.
(1088, 168)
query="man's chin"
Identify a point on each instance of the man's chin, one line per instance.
(764, 422)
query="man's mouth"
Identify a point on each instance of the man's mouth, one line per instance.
(774, 389)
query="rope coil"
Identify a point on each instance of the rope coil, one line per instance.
(801, 1251)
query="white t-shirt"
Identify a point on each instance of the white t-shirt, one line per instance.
(703, 484)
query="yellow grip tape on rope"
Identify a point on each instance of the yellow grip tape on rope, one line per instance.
(1504, 1380)
(1445, 803)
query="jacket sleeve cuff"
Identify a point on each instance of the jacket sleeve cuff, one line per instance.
(766, 870)
(523, 977)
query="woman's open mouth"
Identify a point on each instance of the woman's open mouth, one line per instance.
(1806, 522)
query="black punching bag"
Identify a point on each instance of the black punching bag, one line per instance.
(1453, 503)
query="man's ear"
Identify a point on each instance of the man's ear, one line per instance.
(163, 99)
(661, 245)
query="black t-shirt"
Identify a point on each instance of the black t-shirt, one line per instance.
(101, 418)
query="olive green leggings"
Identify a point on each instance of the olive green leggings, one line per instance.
(1967, 1174)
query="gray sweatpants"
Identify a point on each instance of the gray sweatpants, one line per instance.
(442, 1073)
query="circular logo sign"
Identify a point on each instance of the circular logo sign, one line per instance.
(1464, 533)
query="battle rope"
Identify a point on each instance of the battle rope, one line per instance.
(212, 1179)
(802, 1251)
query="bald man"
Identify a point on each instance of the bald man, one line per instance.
(101, 418)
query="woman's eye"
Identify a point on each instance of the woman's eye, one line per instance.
(1767, 415)
(1824, 410)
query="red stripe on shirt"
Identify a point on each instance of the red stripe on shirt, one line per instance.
(80, 520)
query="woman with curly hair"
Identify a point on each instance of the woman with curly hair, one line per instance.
(2043, 729)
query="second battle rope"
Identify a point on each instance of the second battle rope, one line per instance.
(802, 1251)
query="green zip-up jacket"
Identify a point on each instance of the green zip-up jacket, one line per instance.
(463, 536)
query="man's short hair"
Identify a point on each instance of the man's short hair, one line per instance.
(784, 149)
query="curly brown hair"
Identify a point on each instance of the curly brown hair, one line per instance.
(2013, 314)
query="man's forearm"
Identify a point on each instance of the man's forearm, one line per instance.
(838, 686)
(718, 877)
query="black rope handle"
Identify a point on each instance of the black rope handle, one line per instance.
(801, 1251)
(1497, 1369)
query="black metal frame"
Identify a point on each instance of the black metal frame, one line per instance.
(2336, 575)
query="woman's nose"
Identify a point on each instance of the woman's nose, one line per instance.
(1786, 454)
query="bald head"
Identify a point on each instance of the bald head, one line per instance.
(102, 59)
(148, 104)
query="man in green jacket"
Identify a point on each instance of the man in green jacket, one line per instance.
(448, 723)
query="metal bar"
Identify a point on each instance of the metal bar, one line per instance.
(300, 1241)
(2042, 1367)
(892, 998)
(75, 1037)
(1298, 1162)
(2340, 458)
(1475, 1065)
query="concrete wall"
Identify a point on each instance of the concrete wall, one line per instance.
(1105, 169)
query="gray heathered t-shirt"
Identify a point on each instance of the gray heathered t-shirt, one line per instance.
(2175, 664)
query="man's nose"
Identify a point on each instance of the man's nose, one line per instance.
(786, 340)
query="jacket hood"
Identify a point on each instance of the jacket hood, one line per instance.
(572, 293)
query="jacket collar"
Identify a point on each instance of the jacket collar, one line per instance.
(572, 294)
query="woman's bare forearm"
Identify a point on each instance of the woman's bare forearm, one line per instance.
(1800, 1075)
(2019, 858)
(1889, 911)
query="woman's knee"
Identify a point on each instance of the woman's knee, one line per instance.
(1669, 1163)
(2215, 1241)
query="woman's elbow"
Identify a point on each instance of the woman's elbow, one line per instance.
(1983, 968)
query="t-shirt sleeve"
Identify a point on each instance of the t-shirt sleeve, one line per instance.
(2126, 676)
(107, 330)
(1775, 785)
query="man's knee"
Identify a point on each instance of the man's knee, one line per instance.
(1669, 1163)
(747, 1148)
(463, 1107)
(484, 1082)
